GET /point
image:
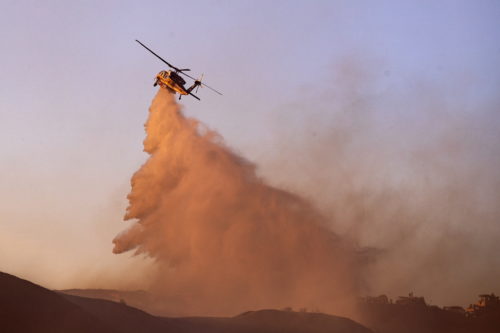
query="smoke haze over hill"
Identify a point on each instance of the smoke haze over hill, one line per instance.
(411, 169)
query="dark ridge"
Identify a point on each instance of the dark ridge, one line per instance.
(27, 307)
(418, 318)
(269, 321)
(123, 317)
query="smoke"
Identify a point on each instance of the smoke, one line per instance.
(225, 241)
(412, 169)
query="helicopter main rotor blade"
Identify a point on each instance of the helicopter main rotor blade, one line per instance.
(203, 84)
(189, 76)
(169, 65)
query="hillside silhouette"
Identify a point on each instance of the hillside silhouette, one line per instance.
(27, 307)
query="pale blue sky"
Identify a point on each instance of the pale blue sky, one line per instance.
(75, 89)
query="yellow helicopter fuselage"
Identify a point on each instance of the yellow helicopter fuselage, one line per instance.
(171, 81)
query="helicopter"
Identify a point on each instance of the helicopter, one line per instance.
(173, 82)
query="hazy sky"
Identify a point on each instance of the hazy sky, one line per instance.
(75, 89)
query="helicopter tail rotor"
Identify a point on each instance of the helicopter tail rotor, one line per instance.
(198, 83)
